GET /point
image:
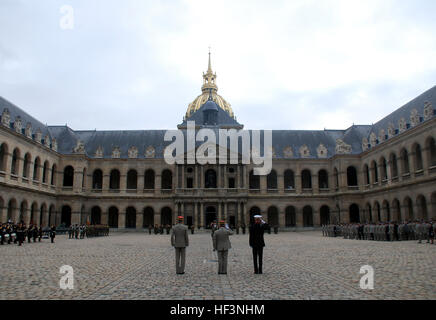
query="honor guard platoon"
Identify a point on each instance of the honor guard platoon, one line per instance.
(419, 230)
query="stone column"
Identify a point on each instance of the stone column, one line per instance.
(76, 209)
(219, 182)
(139, 220)
(123, 180)
(195, 218)
(263, 184)
(78, 179)
(426, 157)
(196, 176)
(280, 183)
(141, 184)
(299, 217)
(157, 218)
(202, 214)
(225, 217)
(315, 183)
(158, 183)
(105, 217)
(282, 218)
(106, 182)
(202, 177)
(122, 220)
(316, 218)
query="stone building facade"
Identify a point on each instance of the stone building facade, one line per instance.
(54, 174)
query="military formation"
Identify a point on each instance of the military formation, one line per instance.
(17, 233)
(76, 231)
(384, 231)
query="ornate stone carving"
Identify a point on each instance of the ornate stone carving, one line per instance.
(54, 144)
(116, 153)
(18, 124)
(287, 152)
(373, 139)
(365, 144)
(47, 141)
(321, 151)
(133, 152)
(99, 152)
(150, 152)
(428, 110)
(28, 130)
(414, 118)
(6, 117)
(381, 135)
(80, 147)
(273, 152)
(38, 135)
(342, 147)
(304, 151)
(402, 125)
(391, 130)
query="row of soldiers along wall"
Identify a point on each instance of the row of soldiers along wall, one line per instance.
(383, 231)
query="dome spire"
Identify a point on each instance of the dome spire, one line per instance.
(209, 78)
(209, 69)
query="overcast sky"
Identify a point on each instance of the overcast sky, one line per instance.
(281, 64)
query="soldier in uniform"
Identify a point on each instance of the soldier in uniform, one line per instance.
(221, 243)
(180, 240)
(149, 229)
(257, 242)
(52, 233)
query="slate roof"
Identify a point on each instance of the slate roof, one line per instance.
(68, 138)
(404, 111)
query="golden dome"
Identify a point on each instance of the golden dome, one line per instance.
(209, 84)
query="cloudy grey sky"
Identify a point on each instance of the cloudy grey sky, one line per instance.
(292, 64)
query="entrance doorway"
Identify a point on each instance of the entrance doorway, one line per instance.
(211, 216)
(189, 220)
(232, 221)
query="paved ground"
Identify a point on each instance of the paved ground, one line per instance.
(140, 266)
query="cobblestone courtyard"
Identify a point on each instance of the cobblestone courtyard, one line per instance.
(140, 266)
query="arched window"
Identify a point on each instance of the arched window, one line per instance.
(418, 157)
(149, 180)
(271, 180)
(53, 175)
(307, 216)
(366, 172)
(15, 162)
(95, 215)
(306, 179)
(113, 217)
(254, 181)
(36, 166)
(421, 205)
(66, 216)
(324, 215)
(26, 165)
(431, 147)
(394, 165)
(386, 211)
(97, 179)
(375, 171)
(290, 217)
(45, 172)
(405, 167)
(167, 180)
(383, 169)
(351, 176)
(68, 176)
(131, 218)
(3, 156)
(210, 179)
(323, 179)
(132, 180)
(148, 219)
(289, 180)
(114, 180)
(273, 216)
(166, 216)
(354, 213)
